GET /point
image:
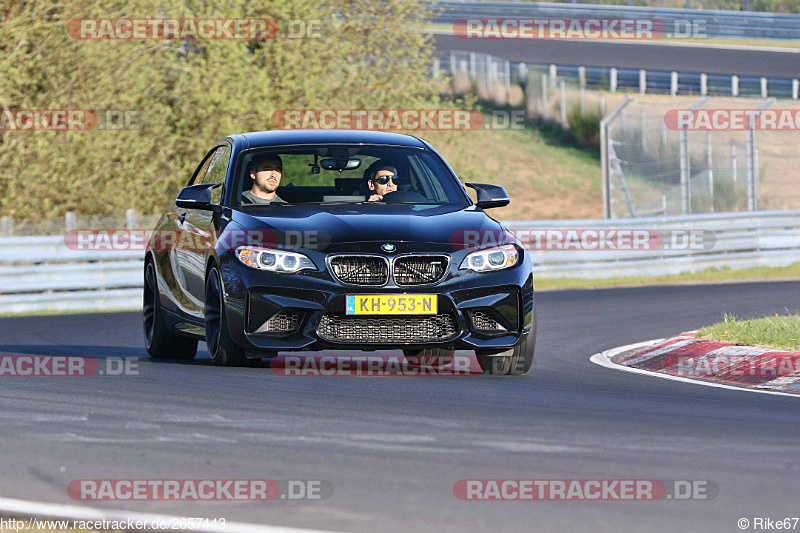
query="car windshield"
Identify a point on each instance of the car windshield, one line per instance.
(344, 174)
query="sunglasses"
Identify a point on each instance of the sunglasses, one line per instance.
(383, 180)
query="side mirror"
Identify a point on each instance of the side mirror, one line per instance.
(490, 195)
(197, 197)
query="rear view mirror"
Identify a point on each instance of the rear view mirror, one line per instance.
(340, 164)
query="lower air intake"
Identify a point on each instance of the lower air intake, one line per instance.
(483, 322)
(374, 330)
(282, 323)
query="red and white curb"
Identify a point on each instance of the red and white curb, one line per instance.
(54, 511)
(711, 363)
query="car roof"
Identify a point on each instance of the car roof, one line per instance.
(258, 139)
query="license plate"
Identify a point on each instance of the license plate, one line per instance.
(391, 304)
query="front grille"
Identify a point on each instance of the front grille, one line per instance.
(483, 322)
(283, 322)
(419, 269)
(372, 330)
(360, 269)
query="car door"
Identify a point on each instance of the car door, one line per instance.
(179, 250)
(198, 230)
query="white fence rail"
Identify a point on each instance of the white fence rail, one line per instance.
(43, 274)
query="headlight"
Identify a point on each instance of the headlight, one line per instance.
(273, 260)
(491, 259)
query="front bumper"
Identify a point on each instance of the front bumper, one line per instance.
(270, 312)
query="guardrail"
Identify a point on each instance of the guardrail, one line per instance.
(746, 240)
(726, 23)
(500, 72)
(43, 274)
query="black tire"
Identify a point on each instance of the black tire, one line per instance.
(222, 350)
(429, 357)
(158, 337)
(514, 362)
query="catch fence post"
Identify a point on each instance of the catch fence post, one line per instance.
(686, 193)
(6, 226)
(70, 221)
(131, 219)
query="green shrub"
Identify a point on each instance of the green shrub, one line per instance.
(585, 127)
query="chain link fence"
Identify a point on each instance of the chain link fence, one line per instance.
(651, 167)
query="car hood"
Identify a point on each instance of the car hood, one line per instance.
(365, 223)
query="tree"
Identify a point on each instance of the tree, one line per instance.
(187, 94)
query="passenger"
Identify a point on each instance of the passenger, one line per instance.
(265, 171)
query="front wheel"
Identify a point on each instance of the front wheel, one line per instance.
(516, 361)
(221, 348)
(513, 362)
(158, 337)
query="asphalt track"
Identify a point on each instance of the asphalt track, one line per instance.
(394, 447)
(685, 58)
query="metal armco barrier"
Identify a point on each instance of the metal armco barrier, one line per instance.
(42, 274)
(740, 240)
(724, 23)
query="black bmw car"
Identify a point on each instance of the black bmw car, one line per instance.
(344, 240)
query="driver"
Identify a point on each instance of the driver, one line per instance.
(381, 178)
(265, 171)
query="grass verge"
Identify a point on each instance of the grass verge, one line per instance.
(791, 272)
(779, 332)
(544, 170)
